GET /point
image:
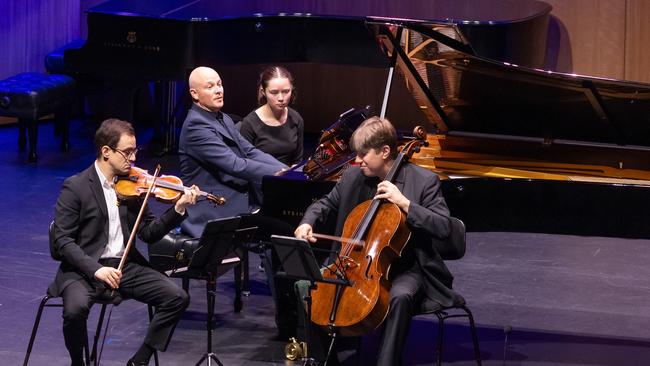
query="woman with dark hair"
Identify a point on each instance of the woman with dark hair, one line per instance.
(274, 127)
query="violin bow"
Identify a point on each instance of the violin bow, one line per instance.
(129, 244)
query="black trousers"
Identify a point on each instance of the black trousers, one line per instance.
(405, 294)
(286, 317)
(141, 283)
(281, 288)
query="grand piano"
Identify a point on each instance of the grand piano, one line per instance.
(519, 148)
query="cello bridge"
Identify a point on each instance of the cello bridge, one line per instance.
(348, 263)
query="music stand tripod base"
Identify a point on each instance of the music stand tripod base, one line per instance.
(299, 262)
(215, 243)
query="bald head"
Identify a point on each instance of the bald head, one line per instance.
(206, 88)
(199, 74)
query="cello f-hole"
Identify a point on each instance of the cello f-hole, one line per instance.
(367, 273)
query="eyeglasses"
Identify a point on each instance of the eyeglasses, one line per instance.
(128, 153)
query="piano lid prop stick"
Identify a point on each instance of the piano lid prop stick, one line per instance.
(384, 103)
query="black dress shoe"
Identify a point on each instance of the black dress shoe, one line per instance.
(136, 363)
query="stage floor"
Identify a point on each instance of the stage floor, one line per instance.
(569, 300)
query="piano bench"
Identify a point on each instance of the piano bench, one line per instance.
(173, 253)
(30, 96)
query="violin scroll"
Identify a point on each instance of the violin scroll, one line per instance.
(217, 200)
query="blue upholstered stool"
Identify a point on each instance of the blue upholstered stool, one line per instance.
(29, 96)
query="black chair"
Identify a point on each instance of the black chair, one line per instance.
(459, 310)
(91, 358)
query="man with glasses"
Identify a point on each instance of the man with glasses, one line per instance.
(91, 227)
(128, 154)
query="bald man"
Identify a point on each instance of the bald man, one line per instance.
(214, 156)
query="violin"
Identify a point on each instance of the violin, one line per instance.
(333, 154)
(168, 188)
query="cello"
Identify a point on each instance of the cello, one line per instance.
(374, 235)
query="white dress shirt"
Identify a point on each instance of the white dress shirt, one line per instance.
(115, 246)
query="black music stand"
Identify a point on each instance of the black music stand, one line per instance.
(215, 243)
(298, 261)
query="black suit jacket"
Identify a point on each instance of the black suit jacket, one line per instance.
(80, 231)
(428, 220)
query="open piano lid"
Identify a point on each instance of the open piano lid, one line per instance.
(234, 32)
(452, 11)
(475, 96)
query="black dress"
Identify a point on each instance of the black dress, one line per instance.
(284, 142)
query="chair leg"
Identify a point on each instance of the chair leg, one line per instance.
(472, 329)
(238, 288)
(32, 132)
(87, 353)
(441, 334)
(155, 352)
(246, 286)
(22, 135)
(62, 124)
(98, 331)
(89, 359)
(37, 322)
(101, 349)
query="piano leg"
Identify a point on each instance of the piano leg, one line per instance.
(166, 101)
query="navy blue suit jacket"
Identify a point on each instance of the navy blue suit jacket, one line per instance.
(215, 157)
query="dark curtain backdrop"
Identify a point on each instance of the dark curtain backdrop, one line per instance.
(29, 29)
